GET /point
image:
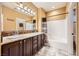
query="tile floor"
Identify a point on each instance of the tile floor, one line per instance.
(49, 51)
(54, 50)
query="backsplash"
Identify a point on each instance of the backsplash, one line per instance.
(10, 33)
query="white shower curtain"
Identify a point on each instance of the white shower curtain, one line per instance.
(57, 35)
(56, 30)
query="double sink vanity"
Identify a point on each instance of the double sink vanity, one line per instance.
(22, 44)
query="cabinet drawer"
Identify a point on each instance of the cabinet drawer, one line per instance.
(34, 51)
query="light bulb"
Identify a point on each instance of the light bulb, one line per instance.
(26, 12)
(18, 8)
(21, 5)
(29, 10)
(29, 13)
(25, 8)
(22, 10)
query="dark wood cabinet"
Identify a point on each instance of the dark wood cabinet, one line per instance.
(25, 47)
(43, 38)
(12, 49)
(42, 41)
(39, 42)
(16, 48)
(34, 43)
(5, 50)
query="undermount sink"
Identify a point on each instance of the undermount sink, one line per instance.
(13, 37)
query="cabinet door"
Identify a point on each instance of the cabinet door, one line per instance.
(34, 48)
(15, 48)
(5, 50)
(28, 47)
(25, 47)
(39, 42)
(12, 49)
(43, 37)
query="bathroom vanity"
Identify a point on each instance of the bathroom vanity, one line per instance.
(23, 44)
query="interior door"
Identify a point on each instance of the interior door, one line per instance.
(74, 37)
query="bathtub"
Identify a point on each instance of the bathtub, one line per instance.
(59, 45)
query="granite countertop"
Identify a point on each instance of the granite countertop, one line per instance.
(13, 38)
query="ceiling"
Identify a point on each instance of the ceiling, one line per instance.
(13, 5)
(48, 6)
(9, 4)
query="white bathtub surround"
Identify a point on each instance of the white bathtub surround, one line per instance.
(57, 36)
(59, 46)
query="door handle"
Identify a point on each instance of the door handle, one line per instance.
(72, 33)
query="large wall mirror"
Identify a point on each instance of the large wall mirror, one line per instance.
(22, 24)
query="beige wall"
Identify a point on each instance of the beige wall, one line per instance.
(11, 14)
(57, 14)
(41, 14)
(35, 9)
(0, 18)
(0, 22)
(0, 29)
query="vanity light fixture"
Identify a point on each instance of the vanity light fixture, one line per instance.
(29, 13)
(18, 8)
(25, 10)
(21, 5)
(29, 10)
(22, 10)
